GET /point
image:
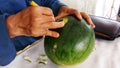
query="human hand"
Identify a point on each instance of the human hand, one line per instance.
(33, 21)
(64, 11)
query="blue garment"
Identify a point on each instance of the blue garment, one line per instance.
(9, 46)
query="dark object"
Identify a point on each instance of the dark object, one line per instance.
(118, 15)
(119, 12)
(106, 28)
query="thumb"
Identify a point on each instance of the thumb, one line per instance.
(60, 16)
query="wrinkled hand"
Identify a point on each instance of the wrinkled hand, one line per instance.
(33, 21)
(64, 11)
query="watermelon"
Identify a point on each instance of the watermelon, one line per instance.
(75, 44)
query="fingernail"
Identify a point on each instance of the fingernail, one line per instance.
(93, 26)
(80, 18)
(56, 35)
(63, 23)
(53, 18)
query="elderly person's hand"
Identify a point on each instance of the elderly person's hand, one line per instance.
(33, 21)
(64, 11)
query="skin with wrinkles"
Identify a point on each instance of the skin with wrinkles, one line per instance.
(37, 21)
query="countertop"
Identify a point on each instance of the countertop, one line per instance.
(106, 54)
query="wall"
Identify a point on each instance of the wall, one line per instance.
(82, 5)
(105, 8)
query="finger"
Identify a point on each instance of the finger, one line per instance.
(87, 18)
(44, 32)
(60, 16)
(43, 18)
(53, 25)
(47, 11)
(52, 34)
(42, 10)
(77, 14)
(47, 18)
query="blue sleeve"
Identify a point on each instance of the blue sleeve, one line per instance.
(7, 49)
(53, 4)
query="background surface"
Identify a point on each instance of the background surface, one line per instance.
(104, 8)
(106, 54)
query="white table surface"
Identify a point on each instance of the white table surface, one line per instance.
(105, 55)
